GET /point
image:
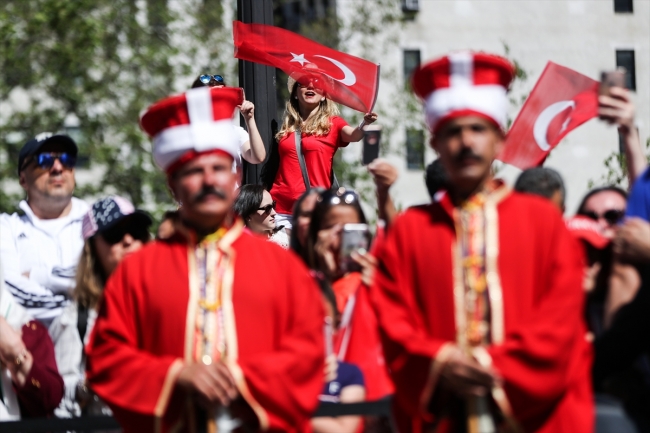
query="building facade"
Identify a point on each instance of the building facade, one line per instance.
(588, 36)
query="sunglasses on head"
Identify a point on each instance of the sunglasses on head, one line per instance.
(612, 216)
(268, 207)
(205, 79)
(46, 160)
(340, 196)
(115, 234)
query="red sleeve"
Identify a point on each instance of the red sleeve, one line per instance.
(536, 360)
(413, 357)
(120, 373)
(286, 382)
(43, 388)
(337, 125)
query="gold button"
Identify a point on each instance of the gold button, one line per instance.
(207, 360)
(36, 383)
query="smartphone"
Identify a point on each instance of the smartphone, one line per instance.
(371, 140)
(354, 237)
(610, 79)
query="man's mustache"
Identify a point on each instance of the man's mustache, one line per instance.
(465, 154)
(207, 191)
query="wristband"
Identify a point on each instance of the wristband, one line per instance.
(362, 124)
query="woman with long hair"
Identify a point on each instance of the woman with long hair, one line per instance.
(356, 338)
(314, 118)
(112, 229)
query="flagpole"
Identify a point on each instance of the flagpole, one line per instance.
(374, 99)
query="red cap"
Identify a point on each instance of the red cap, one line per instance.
(197, 121)
(588, 230)
(464, 83)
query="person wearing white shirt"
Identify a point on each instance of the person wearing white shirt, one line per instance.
(40, 248)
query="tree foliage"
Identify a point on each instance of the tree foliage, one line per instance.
(89, 68)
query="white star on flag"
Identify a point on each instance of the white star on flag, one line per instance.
(299, 59)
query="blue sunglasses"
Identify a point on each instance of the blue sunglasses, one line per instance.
(46, 160)
(205, 79)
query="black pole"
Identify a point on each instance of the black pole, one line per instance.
(258, 82)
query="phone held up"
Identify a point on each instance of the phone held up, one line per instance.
(371, 140)
(354, 237)
(609, 79)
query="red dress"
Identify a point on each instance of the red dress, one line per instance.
(534, 280)
(319, 155)
(357, 342)
(272, 322)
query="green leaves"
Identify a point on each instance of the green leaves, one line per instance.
(101, 62)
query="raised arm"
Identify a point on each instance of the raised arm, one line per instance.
(253, 150)
(351, 134)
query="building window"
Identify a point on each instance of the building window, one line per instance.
(623, 6)
(625, 59)
(411, 63)
(414, 149)
(410, 6)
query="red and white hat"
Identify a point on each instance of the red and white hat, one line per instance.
(464, 83)
(195, 122)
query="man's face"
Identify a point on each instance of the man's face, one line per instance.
(205, 187)
(467, 146)
(606, 208)
(52, 184)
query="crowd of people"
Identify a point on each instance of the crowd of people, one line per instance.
(482, 311)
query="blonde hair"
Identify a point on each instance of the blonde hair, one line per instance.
(90, 279)
(318, 124)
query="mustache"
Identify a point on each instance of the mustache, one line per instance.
(208, 191)
(467, 153)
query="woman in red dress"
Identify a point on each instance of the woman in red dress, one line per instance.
(322, 131)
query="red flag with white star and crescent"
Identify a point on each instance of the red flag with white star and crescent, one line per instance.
(346, 79)
(561, 100)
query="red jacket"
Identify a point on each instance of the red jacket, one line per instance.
(534, 272)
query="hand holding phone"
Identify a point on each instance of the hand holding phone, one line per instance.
(354, 237)
(609, 79)
(371, 140)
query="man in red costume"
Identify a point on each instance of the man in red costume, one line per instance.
(212, 329)
(479, 294)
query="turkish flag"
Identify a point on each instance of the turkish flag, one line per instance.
(346, 79)
(561, 101)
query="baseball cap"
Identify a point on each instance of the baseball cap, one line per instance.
(32, 147)
(586, 229)
(109, 211)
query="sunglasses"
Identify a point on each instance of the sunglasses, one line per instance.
(340, 196)
(46, 160)
(268, 207)
(612, 216)
(205, 79)
(115, 234)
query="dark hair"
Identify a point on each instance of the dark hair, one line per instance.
(212, 82)
(248, 200)
(541, 181)
(435, 177)
(593, 192)
(324, 203)
(294, 244)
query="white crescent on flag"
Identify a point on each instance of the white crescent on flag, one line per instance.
(540, 129)
(349, 79)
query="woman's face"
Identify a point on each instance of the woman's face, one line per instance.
(338, 216)
(309, 96)
(304, 218)
(111, 254)
(263, 219)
